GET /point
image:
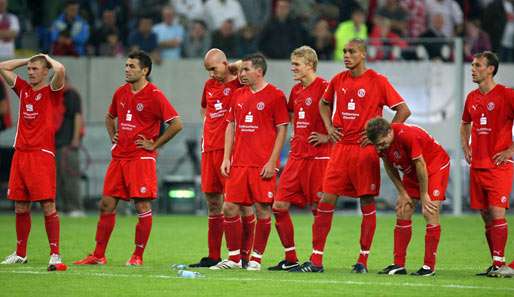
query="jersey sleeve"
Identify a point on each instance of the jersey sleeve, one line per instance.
(329, 93)
(466, 116)
(510, 100)
(280, 113)
(204, 98)
(19, 85)
(113, 108)
(391, 97)
(290, 102)
(167, 111)
(412, 145)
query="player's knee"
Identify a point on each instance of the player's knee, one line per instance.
(329, 198)
(21, 207)
(107, 205)
(262, 211)
(48, 207)
(230, 210)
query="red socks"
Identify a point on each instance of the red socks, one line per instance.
(215, 235)
(402, 236)
(52, 227)
(247, 236)
(103, 233)
(320, 230)
(368, 226)
(432, 236)
(233, 235)
(488, 236)
(285, 231)
(143, 229)
(511, 265)
(23, 224)
(499, 233)
(262, 231)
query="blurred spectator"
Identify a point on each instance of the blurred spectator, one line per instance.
(170, 35)
(282, 34)
(348, 30)
(475, 40)
(6, 153)
(188, 10)
(112, 46)
(384, 44)
(147, 8)
(9, 28)
(396, 15)
(217, 11)
(64, 45)
(322, 40)
(417, 17)
(144, 39)
(257, 13)
(73, 23)
(5, 110)
(498, 22)
(434, 48)
(99, 36)
(67, 144)
(226, 39)
(451, 12)
(198, 40)
(247, 41)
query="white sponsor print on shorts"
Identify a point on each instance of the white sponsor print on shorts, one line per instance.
(142, 190)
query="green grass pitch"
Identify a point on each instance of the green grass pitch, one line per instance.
(182, 239)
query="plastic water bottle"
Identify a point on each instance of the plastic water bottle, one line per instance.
(179, 266)
(188, 274)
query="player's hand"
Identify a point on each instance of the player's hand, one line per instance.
(502, 157)
(467, 153)
(364, 139)
(317, 138)
(403, 202)
(147, 144)
(334, 134)
(268, 170)
(114, 138)
(225, 168)
(429, 206)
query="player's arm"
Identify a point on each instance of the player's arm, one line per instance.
(7, 69)
(402, 112)
(269, 168)
(504, 156)
(465, 134)
(229, 142)
(422, 174)
(403, 199)
(174, 126)
(57, 82)
(202, 112)
(325, 111)
(110, 125)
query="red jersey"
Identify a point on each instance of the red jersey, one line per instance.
(356, 100)
(138, 113)
(216, 101)
(491, 116)
(411, 143)
(37, 116)
(256, 116)
(304, 104)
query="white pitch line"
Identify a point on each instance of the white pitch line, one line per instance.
(314, 281)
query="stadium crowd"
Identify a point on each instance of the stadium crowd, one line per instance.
(174, 29)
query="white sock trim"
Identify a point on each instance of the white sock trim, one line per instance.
(289, 249)
(234, 253)
(256, 255)
(317, 252)
(364, 252)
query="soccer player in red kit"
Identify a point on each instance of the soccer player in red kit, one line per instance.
(300, 183)
(426, 167)
(140, 108)
(351, 99)
(33, 172)
(215, 104)
(487, 119)
(254, 137)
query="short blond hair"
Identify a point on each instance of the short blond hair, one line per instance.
(308, 54)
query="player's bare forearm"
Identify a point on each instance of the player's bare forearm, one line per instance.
(202, 112)
(279, 143)
(465, 134)
(59, 73)
(229, 140)
(402, 113)
(174, 127)
(394, 175)
(110, 126)
(325, 112)
(422, 175)
(7, 68)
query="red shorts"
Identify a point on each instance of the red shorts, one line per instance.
(437, 184)
(490, 187)
(352, 171)
(32, 176)
(212, 180)
(245, 186)
(301, 181)
(131, 179)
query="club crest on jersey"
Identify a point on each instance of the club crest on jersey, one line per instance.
(361, 93)
(436, 193)
(140, 107)
(260, 105)
(38, 97)
(226, 91)
(29, 107)
(308, 101)
(490, 106)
